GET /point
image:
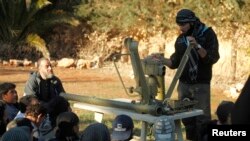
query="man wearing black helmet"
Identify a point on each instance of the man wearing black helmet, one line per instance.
(194, 82)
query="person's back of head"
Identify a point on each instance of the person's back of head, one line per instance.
(96, 132)
(67, 126)
(224, 112)
(122, 128)
(17, 134)
(57, 106)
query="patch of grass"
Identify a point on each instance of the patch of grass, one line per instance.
(87, 117)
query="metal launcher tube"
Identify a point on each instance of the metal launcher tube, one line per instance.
(140, 108)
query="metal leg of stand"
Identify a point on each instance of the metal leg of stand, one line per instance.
(144, 131)
(178, 130)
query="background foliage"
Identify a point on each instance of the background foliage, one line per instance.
(61, 27)
(127, 15)
(24, 21)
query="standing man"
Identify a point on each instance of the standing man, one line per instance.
(194, 82)
(43, 83)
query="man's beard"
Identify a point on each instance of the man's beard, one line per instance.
(190, 31)
(49, 76)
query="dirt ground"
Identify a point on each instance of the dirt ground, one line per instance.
(101, 82)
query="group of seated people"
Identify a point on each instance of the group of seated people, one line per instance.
(41, 114)
(31, 120)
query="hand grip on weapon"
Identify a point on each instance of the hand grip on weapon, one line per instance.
(192, 41)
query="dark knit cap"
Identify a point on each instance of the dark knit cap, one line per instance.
(96, 132)
(185, 16)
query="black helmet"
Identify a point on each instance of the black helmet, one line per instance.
(185, 16)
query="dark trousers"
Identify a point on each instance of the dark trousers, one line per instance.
(201, 93)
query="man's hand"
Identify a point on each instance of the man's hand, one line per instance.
(161, 59)
(201, 51)
(192, 41)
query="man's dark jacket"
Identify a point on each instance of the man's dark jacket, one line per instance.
(33, 87)
(207, 38)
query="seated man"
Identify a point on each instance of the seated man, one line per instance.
(43, 83)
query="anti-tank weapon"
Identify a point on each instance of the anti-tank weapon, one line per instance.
(150, 85)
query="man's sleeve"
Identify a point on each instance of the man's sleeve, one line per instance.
(31, 86)
(212, 48)
(175, 57)
(59, 86)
